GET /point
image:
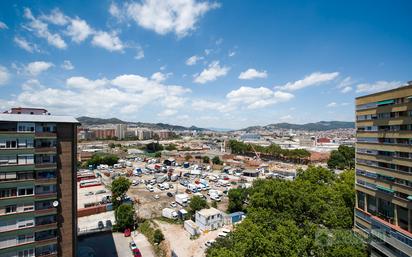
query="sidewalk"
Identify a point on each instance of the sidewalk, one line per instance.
(144, 245)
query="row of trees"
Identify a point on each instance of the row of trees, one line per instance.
(274, 150)
(215, 160)
(103, 158)
(311, 216)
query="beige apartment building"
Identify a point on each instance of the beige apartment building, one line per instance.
(383, 211)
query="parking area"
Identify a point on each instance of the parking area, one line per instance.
(90, 222)
(104, 244)
(88, 196)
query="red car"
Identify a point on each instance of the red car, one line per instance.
(127, 232)
(136, 253)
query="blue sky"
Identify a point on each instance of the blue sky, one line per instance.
(226, 64)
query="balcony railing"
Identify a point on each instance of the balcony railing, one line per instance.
(45, 149)
(384, 229)
(45, 134)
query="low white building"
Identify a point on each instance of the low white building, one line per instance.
(209, 219)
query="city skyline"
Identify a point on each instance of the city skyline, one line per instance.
(209, 64)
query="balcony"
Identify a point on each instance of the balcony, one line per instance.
(45, 134)
(46, 235)
(46, 165)
(45, 150)
(46, 195)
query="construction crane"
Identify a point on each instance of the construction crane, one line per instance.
(256, 153)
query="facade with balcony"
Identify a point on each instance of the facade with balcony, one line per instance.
(37, 172)
(383, 211)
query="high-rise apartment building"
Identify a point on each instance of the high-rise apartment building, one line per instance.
(383, 211)
(38, 200)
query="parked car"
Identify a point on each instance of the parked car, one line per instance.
(136, 253)
(100, 224)
(132, 245)
(173, 205)
(226, 231)
(127, 232)
(101, 191)
(156, 197)
(221, 234)
(109, 223)
(209, 243)
(89, 193)
(169, 194)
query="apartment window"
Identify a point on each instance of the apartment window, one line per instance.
(45, 250)
(371, 208)
(8, 192)
(44, 205)
(26, 253)
(8, 143)
(25, 175)
(24, 207)
(44, 220)
(4, 176)
(26, 159)
(45, 189)
(361, 200)
(26, 191)
(25, 127)
(46, 174)
(8, 160)
(6, 225)
(11, 209)
(25, 223)
(21, 239)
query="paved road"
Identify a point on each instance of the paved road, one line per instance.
(145, 247)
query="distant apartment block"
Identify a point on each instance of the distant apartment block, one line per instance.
(120, 131)
(38, 198)
(103, 133)
(383, 210)
(163, 134)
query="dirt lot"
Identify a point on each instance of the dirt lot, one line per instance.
(184, 246)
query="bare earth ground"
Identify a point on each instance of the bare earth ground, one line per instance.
(181, 243)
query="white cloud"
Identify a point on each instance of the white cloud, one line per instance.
(202, 105)
(67, 65)
(346, 90)
(41, 30)
(313, 79)
(4, 75)
(252, 74)
(103, 97)
(168, 112)
(140, 53)
(259, 97)
(168, 16)
(377, 86)
(332, 105)
(193, 60)
(108, 41)
(211, 73)
(35, 68)
(78, 30)
(3, 25)
(231, 53)
(115, 11)
(159, 76)
(24, 44)
(56, 17)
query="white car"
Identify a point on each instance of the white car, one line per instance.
(173, 205)
(221, 234)
(215, 197)
(135, 183)
(209, 243)
(226, 231)
(150, 188)
(156, 197)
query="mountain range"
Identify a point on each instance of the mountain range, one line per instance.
(316, 126)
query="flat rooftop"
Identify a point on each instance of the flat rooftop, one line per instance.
(209, 212)
(37, 118)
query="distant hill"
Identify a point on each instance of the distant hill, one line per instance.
(317, 126)
(89, 121)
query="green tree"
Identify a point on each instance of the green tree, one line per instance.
(154, 147)
(112, 145)
(100, 158)
(124, 215)
(158, 236)
(216, 160)
(236, 198)
(343, 158)
(171, 147)
(119, 187)
(197, 203)
(206, 159)
(158, 154)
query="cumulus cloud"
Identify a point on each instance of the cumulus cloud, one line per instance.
(159, 76)
(3, 25)
(377, 86)
(259, 97)
(108, 41)
(168, 16)
(346, 90)
(345, 85)
(41, 30)
(55, 17)
(4, 75)
(79, 30)
(24, 44)
(193, 60)
(167, 112)
(67, 65)
(252, 74)
(313, 79)
(123, 94)
(211, 73)
(35, 68)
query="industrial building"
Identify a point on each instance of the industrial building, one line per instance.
(38, 200)
(383, 210)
